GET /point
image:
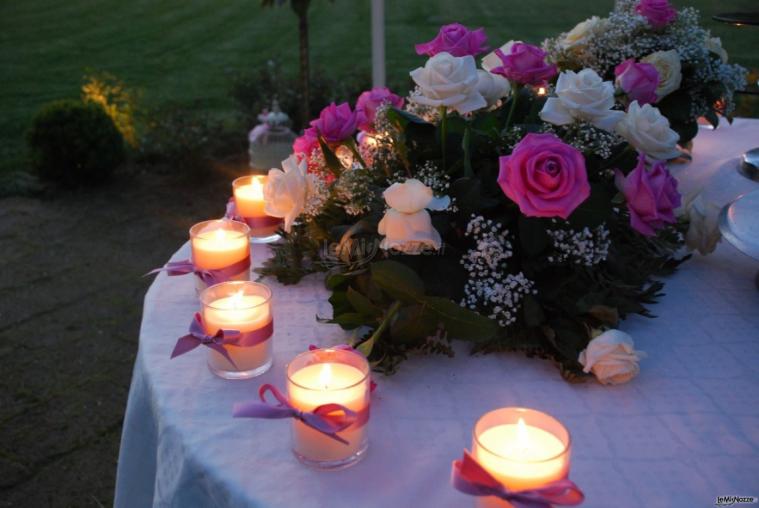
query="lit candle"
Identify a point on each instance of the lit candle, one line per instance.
(541, 91)
(329, 376)
(250, 204)
(521, 448)
(217, 244)
(245, 307)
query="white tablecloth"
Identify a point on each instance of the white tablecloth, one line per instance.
(683, 432)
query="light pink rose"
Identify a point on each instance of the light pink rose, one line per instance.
(336, 123)
(457, 40)
(638, 80)
(525, 64)
(659, 13)
(544, 176)
(651, 196)
(369, 101)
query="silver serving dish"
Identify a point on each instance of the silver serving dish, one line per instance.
(750, 164)
(739, 224)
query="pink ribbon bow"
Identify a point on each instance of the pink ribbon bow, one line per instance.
(217, 341)
(329, 419)
(469, 477)
(210, 277)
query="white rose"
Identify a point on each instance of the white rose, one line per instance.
(492, 87)
(611, 357)
(582, 96)
(703, 231)
(582, 32)
(285, 191)
(645, 128)
(407, 226)
(714, 44)
(491, 60)
(668, 66)
(449, 81)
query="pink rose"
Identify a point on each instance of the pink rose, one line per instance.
(336, 123)
(651, 196)
(638, 80)
(306, 143)
(544, 176)
(525, 64)
(457, 40)
(658, 12)
(369, 101)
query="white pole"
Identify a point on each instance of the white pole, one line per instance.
(378, 43)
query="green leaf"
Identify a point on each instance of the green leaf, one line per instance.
(594, 210)
(533, 312)
(335, 280)
(333, 163)
(605, 314)
(340, 304)
(459, 322)
(412, 324)
(398, 280)
(349, 320)
(402, 118)
(532, 235)
(362, 304)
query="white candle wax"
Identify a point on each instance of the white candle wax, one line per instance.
(244, 313)
(325, 383)
(521, 456)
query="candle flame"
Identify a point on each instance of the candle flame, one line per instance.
(236, 300)
(542, 91)
(257, 188)
(325, 375)
(523, 438)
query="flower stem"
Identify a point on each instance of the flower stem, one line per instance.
(515, 89)
(443, 132)
(367, 346)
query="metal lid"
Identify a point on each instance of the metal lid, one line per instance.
(739, 223)
(750, 164)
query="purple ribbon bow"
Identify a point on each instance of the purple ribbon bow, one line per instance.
(469, 477)
(253, 222)
(198, 336)
(329, 419)
(210, 277)
(258, 131)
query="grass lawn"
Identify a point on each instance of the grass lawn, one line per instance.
(179, 50)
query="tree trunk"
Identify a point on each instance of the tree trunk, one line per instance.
(301, 9)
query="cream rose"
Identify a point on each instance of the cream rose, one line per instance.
(645, 128)
(611, 357)
(449, 81)
(406, 225)
(582, 96)
(668, 66)
(491, 60)
(285, 191)
(714, 44)
(703, 231)
(492, 87)
(582, 32)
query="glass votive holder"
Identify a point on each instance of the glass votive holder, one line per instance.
(250, 206)
(330, 376)
(243, 306)
(220, 244)
(522, 448)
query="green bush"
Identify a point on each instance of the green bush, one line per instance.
(74, 144)
(181, 137)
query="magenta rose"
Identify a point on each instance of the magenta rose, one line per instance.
(457, 40)
(369, 101)
(638, 80)
(336, 123)
(544, 176)
(651, 196)
(659, 13)
(525, 64)
(306, 143)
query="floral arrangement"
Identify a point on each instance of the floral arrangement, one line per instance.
(656, 55)
(511, 205)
